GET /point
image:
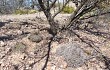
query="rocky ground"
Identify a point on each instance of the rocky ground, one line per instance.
(25, 46)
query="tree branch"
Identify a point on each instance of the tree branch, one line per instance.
(67, 1)
(94, 15)
(42, 5)
(53, 3)
(81, 11)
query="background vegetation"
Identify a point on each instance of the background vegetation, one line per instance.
(68, 9)
(20, 12)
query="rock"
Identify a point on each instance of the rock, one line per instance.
(35, 38)
(19, 32)
(19, 47)
(2, 44)
(73, 54)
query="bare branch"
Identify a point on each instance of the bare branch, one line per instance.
(84, 8)
(90, 16)
(42, 5)
(67, 1)
(53, 3)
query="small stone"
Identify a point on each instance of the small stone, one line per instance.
(19, 32)
(35, 38)
(2, 44)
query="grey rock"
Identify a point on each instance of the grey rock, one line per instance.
(73, 54)
(2, 43)
(35, 38)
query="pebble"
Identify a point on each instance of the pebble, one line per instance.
(2, 44)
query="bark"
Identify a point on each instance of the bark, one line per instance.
(53, 25)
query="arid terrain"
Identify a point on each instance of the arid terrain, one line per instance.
(24, 45)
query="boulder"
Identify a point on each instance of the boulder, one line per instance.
(73, 54)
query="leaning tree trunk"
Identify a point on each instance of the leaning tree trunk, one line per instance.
(46, 9)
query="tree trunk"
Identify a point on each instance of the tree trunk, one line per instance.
(53, 25)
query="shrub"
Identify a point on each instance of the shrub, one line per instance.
(19, 47)
(32, 11)
(25, 11)
(68, 9)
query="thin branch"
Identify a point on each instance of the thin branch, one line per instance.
(94, 15)
(72, 18)
(61, 9)
(42, 5)
(48, 53)
(76, 11)
(81, 11)
(53, 3)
